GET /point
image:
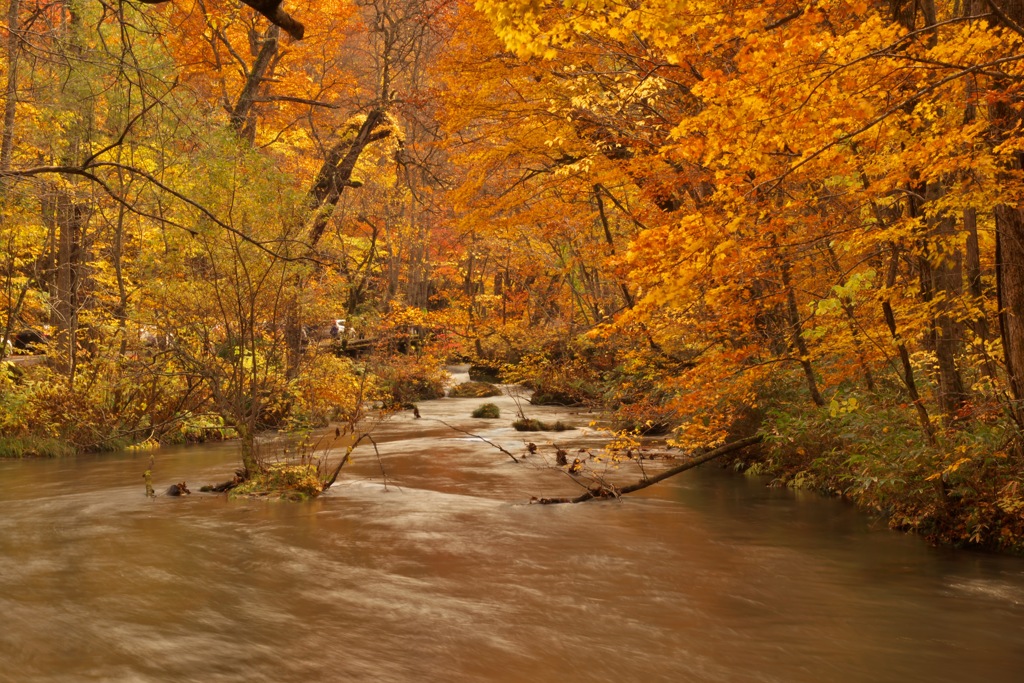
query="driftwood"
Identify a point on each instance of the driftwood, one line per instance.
(602, 491)
(477, 436)
(179, 489)
(348, 456)
(227, 485)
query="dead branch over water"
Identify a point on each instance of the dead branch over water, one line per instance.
(606, 491)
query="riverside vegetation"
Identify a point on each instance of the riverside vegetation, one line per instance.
(708, 221)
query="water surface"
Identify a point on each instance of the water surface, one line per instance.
(446, 574)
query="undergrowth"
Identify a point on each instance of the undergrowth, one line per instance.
(282, 481)
(966, 491)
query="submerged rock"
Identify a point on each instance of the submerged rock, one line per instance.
(178, 490)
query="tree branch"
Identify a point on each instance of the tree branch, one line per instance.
(271, 9)
(477, 436)
(611, 492)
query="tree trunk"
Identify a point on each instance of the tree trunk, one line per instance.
(626, 295)
(336, 173)
(979, 325)
(942, 284)
(11, 91)
(241, 121)
(851, 322)
(908, 369)
(1010, 233)
(251, 461)
(1010, 297)
(797, 338)
(605, 492)
(70, 218)
(334, 176)
(271, 9)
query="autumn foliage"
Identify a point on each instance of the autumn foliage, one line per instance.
(706, 217)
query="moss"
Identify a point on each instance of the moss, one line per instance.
(474, 390)
(531, 425)
(281, 481)
(488, 411)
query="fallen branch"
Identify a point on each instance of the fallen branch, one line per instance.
(477, 436)
(602, 491)
(348, 455)
(380, 462)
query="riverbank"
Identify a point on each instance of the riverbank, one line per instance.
(34, 447)
(965, 491)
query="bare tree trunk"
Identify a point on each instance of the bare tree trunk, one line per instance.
(908, 369)
(979, 325)
(626, 295)
(797, 339)
(241, 121)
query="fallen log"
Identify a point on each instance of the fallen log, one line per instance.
(603, 491)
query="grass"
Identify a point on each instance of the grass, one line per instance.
(34, 447)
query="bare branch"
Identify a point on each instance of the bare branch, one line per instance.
(477, 436)
(300, 100)
(271, 9)
(604, 491)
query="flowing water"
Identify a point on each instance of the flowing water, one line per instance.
(447, 574)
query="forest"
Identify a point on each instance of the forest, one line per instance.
(706, 220)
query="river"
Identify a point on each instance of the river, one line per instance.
(446, 574)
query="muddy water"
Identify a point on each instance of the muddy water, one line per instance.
(446, 575)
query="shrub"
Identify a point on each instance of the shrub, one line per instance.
(531, 425)
(408, 379)
(566, 381)
(488, 411)
(474, 390)
(34, 447)
(868, 448)
(479, 372)
(283, 481)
